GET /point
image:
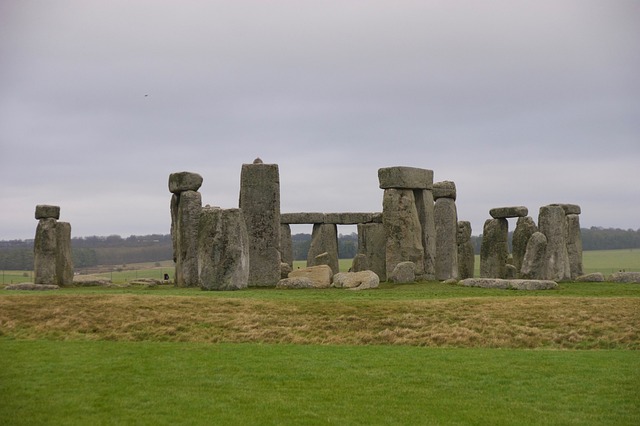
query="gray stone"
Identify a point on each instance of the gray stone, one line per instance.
(466, 254)
(174, 224)
(323, 259)
(426, 215)
(351, 218)
(510, 272)
(509, 284)
(186, 229)
(45, 248)
(44, 211)
(324, 239)
(525, 228)
(260, 204)
(494, 249)
(625, 277)
(444, 189)
(320, 275)
(360, 263)
(184, 181)
(285, 270)
(553, 224)
(401, 177)
(533, 264)
(404, 272)
(574, 245)
(570, 208)
(31, 286)
(64, 258)
(361, 280)
(372, 243)
(91, 281)
(286, 245)
(402, 229)
(223, 250)
(301, 218)
(507, 212)
(596, 277)
(295, 283)
(446, 221)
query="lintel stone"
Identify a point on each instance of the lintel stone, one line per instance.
(352, 218)
(301, 218)
(184, 181)
(44, 211)
(401, 177)
(444, 189)
(571, 208)
(507, 212)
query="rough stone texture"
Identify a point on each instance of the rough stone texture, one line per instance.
(553, 224)
(426, 216)
(494, 249)
(223, 250)
(260, 204)
(301, 218)
(466, 255)
(44, 211)
(525, 228)
(444, 189)
(186, 231)
(372, 242)
(91, 281)
(533, 263)
(401, 177)
(175, 198)
(510, 272)
(402, 229)
(45, 252)
(31, 286)
(360, 263)
(286, 246)
(295, 283)
(446, 219)
(570, 208)
(509, 284)
(184, 181)
(506, 212)
(324, 239)
(574, 245)
(351, 218)
(320, 275)
(361, 280)
(322, 259)
(596, 277)
(64, 258)
(625, 277)
(404, 272)
(285, 269)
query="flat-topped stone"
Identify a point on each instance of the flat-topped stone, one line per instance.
(595, 277)
(31, 286)
(401, 177)
(352, 218)
(625, 277)
(570, 208)
(507, 212)
(44, 211)
(444, 189)
(184, 181)
(509, 284)
(301, 218)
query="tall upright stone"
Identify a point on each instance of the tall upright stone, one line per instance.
(260, 204)
(372, 244)
(525, 228)
(553, 224)
(426, 215)
(534, 262)
(446, 224)
(286, 245)
(64, 258)
(324, 239)
(574, 239)
(45, 252)
(494, 250)
(466, 254)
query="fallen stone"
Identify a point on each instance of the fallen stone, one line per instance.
(356, 280)
(295, 283)
(509, 284)
(91, 281)
(184, 181)
(403, 273)
(31, 286)
(320, 275)
(444, 189)
(507, 212)
(625, 277)
(401, 177)
(44, 211)
(596, 277)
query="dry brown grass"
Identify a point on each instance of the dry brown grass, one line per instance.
(531, 322)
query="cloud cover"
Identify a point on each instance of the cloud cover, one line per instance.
(519, 104)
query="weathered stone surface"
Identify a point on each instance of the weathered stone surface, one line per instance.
(446, 223)
(401, 177)
(494, 249)
(444, 189)
(286, 245)
(426, 216)
(184, 181)
(372, 243)
(360, 263)
(533, 264)
(361, 280)
(260, 204)
(44, 211)
(625, 277)
(509, 284)
(301, 218)
(404, 272)
(45, 252)
(510, 272)
(324, 239)
(223, 250)
(352, 218)
(596, 277)
(285, 269)
(174, 224)
(320, 275)
(295, 283)
(525, 228)
(570, 208)
(91, 281)
(322, 259)
(64, 258)
(31, 286)
(553, 224)
(574, 245)
(466, 255)
(507, 212)
(186, 229)
(403, 229)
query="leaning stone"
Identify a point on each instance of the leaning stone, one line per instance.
(45, 252)
(494, 249)
(64, 258)
(31, 286)
(285, 269)
(625, 277)
(533, 263)
(553, 224)
(446, 221)
(356, 280)
(44, 211)
(404, 272)
(320, 275)
(184, 181)
(504, 284)
(372, 243)
(188, 218)
(507, 212)
(444, 189)
(525, 228)
(323, 249)
(401, 177)
(450, 281)
(295, 283)
(571, 208)
(403, 229)
(596, 277)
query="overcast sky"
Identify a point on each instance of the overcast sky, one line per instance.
(518, 102)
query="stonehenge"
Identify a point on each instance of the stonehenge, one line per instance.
(446, 224)
(53, 263)
(466, 255)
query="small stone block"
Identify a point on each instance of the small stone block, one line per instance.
(444, 189)
(184, 181)
(506, 212)
(44, 211)
(401, 177)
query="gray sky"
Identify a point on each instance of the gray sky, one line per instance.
(520, 103)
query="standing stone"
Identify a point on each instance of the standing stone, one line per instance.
(574, 245)
(174, 223)
(403, 230)
(446, 221)
(553, 224)
(360, 263)
(426, 216)
(186, 230)
(372, 243)
(324, 239)
(223, 250)
(44, 252)
(525, 228)
(534, 261)
(260, 204)
(64, 258)
(466, 254)
(286, 245)
(494, 250)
